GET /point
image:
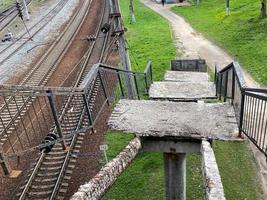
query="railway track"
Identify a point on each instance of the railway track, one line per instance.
(14, 46)
(8, 15)
(10, 112)
(49, 178)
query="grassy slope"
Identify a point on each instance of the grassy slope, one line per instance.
(243, 33)
(144, 178)
(149, 39)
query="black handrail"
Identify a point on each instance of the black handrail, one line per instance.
(249, 104)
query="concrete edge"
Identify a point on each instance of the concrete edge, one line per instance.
(211, 176)
(98, 185)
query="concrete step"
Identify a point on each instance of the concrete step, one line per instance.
(180, 76)
(182, 91)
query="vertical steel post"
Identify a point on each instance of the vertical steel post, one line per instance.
(52, 103)
(136, 86)
(226, 87)
(103, 86)
(240, 125)
(146, 83)
(87, 109)
(175, 175)
(220, 77)
(120, 83)
(233, 86)
(151, 73)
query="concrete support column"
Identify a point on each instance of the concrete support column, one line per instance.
(175, 175)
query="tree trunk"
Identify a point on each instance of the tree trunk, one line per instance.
(263, 8)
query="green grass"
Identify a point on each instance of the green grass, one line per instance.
(149, 39)
(237, 167)
(243, 33)
(4, 4)
(144, 179)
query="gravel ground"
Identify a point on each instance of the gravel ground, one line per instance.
(22, 61)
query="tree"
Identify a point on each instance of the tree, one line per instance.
(263, 8)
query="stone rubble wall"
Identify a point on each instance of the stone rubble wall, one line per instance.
(212, 180)
(108, 174)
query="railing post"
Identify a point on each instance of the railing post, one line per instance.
(226, 87)
(51, 99)
(4, 163)
(103, 86)
(87, 109)
(215, 75)
(220, 86)
(136, 86)
(233, 86)
(240, 125)
(146, 82)
(120, 83)
(151, 73)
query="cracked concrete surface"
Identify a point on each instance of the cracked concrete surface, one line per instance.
(182, 90)
(180, 76)
(183, 119)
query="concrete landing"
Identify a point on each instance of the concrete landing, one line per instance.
(180, 76)
(184, 120)
(181, 91)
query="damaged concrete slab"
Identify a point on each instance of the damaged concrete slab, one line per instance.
(180, 76)
(181, 91)
(183, 119)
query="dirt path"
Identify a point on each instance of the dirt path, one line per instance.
(194, 45)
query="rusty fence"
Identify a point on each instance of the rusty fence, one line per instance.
(35, 118)
(249, 104)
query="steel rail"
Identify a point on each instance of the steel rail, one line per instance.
(50, 68)
(65, 163)
(53, 12)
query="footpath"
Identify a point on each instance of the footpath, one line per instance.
(194, 45)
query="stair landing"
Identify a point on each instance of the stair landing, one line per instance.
(180, 76)
(182, 91)
(181, 119)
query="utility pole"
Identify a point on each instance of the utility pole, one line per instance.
(133, 20)
(227, 7)
(26, 10)
(123, 50)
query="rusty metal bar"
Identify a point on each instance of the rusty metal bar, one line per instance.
(51, 99)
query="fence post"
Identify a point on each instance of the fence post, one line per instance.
(233, 86)
(146, 82)
(240, 126)
(103, 86)
(120, 83)
(136, 86)
(226, 87)
(87, 109)
(51, 99)
(220, 86)
(4, 163)
(151, 73)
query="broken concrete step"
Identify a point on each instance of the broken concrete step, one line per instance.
(182, 91)
(180, 76)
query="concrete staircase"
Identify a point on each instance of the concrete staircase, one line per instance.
(183, 86)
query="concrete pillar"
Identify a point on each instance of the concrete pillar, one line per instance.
(175, 175)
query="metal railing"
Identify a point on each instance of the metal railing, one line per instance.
(60, 110)
(249, 104)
